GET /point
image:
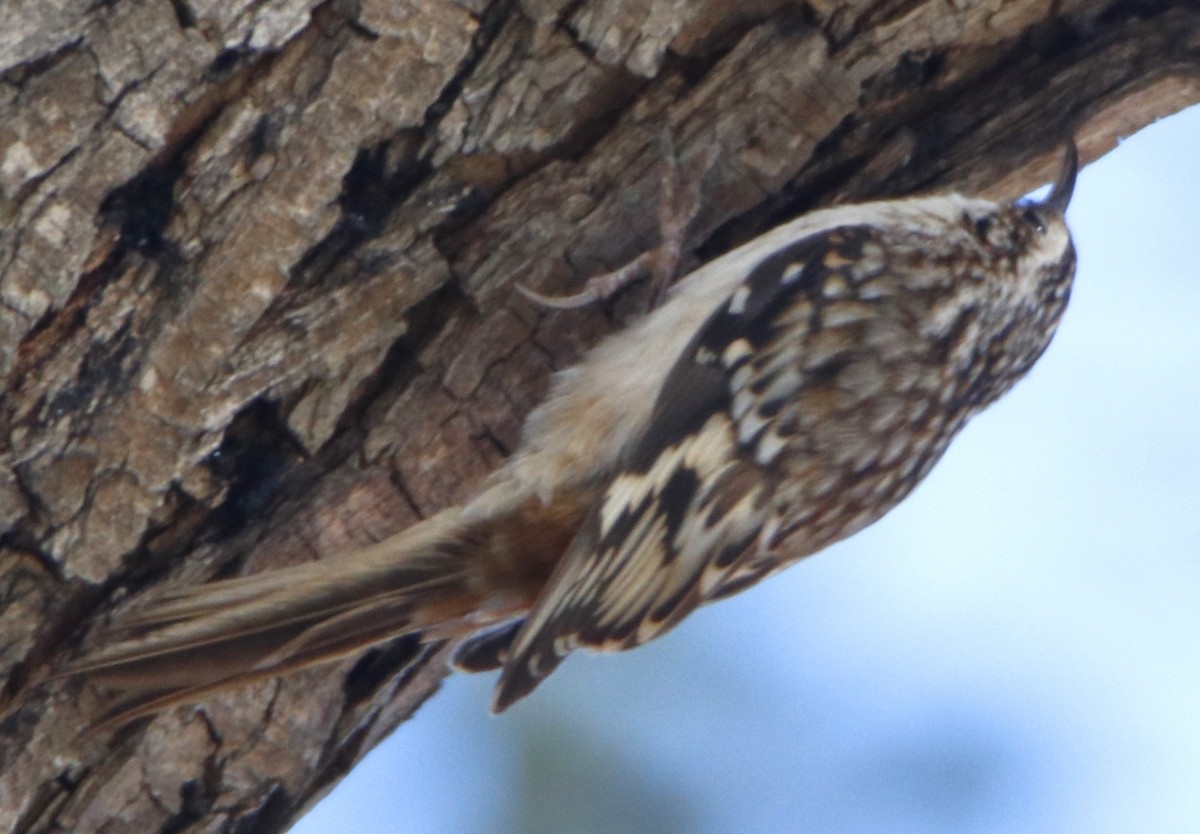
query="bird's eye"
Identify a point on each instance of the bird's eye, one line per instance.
(1035, 220)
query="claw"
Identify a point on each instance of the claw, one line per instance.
(678, 204)
(560, 302)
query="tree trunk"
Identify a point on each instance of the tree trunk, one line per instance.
(256, 290)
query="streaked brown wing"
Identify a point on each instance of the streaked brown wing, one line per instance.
(675, 527)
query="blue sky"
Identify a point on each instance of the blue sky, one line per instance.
(1015, 648)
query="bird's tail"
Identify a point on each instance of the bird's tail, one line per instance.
(196, 641)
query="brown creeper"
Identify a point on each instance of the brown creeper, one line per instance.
(785, 396)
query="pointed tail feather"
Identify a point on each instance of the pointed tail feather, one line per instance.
(202, 640)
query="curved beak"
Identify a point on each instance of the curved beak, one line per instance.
(1060, 193)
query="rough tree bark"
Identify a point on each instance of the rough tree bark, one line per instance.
(256, 289)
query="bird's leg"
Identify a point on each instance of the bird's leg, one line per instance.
(678, 204)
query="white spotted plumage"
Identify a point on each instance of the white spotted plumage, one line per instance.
(784, 396)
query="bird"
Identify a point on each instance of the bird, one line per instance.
(781, 398)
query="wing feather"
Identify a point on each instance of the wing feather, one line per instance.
(681, 521)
